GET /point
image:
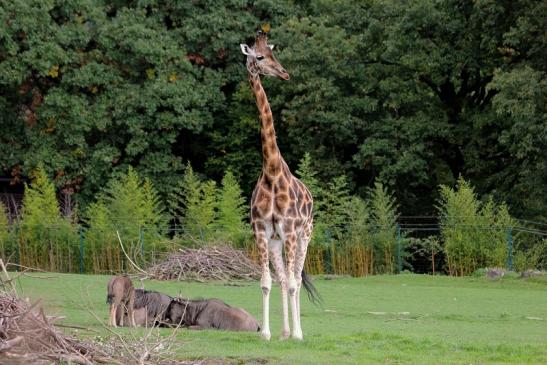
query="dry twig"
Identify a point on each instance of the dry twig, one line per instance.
(221, 262)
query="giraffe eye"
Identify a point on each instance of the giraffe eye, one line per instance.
(259, 58)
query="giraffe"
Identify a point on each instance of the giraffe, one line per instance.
(281, 205)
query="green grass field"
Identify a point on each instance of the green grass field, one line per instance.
(403, 319)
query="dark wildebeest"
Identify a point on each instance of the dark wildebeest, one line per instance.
(141, 318)
(121, 295)
(149, 308)
(156, 305)
(210, 313)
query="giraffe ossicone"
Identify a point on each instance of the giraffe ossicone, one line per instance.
(281, 205)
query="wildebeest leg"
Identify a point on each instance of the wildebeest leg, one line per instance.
(130, 309)
(276, 251)
(121, 307)
(112, 317)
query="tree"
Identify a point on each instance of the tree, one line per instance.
(193, 204)
(100, 87)
(231, 211)
(309, 177)
(384, 225)
(102, 251)
(412, 93)
(48, 240)
(474, 233)
(520, 103)
(334, 215)
(5, 247)
(128, 206)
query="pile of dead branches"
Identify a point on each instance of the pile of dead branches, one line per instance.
(209, 263)
(28, 336)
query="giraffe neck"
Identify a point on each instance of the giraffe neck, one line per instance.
(271, 157)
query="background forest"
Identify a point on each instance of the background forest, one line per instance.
(386, 97)
(414, 93)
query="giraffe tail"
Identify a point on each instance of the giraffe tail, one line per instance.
(313, 294)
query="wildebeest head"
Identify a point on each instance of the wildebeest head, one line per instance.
(176, 311)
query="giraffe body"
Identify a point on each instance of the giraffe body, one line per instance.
(281, 205)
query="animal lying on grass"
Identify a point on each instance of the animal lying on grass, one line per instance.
(149, 308)
(210, 313)
(120, 296)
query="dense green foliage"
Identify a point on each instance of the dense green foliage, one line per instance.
(352, 235)
(231, 212)
(411, 93)
(46, 239)
(203, 212)
(4, 231)
(474, 233)
(193, 205)
(130, 207)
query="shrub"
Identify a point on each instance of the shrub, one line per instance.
(321, 234)
(334, 214)
(192, 204)
(531, 258)
(47, 240)
(231, 212)
(384, 227)
(428, 247)
(474, 234)
(5, 247)
(357, 241)
(131, 207)
(102, 251)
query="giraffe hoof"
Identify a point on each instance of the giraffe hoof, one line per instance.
(297, 336)
(266, 335)
(284, 335)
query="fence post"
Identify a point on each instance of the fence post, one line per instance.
(510, 248)
(399, 263)
(141, 238)
(81, 250)
(17, 247)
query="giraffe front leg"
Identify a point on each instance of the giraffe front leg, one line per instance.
(265, 285)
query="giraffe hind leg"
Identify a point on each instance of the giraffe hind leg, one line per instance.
(290, 254)
(299, 267)
(276, 251)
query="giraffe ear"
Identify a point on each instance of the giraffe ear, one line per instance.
(247, 51)
(271, 46)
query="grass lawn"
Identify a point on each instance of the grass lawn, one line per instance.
(403, 319)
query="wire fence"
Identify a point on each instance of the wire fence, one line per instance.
(414, 244)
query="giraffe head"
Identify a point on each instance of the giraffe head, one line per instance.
(260, 58)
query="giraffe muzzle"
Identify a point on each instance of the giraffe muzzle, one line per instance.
(284, 75)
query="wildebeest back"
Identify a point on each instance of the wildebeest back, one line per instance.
(156, 303)
(211, 313)
(120, 286)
